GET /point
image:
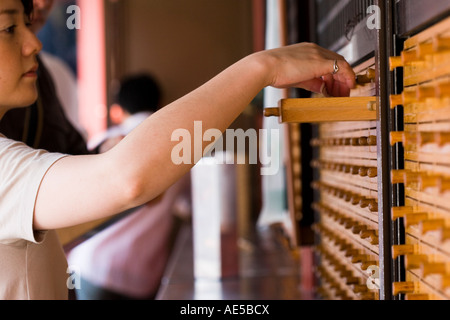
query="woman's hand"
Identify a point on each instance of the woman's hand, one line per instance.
(309, 66)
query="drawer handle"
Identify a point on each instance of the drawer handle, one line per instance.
(312, 110)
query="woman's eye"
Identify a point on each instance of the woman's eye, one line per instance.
(10, 29)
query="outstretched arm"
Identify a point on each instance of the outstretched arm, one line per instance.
(139, 168)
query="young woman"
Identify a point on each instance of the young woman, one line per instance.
(41, 191)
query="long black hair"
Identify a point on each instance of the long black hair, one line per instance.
(28, 7)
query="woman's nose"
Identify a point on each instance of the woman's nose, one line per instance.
(32, 45)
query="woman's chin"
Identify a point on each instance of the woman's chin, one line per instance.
(30, 98)
(23, 100)
(26, 102)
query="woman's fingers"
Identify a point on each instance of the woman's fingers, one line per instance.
(336, 87)
(316, 85)
(303, 65)
(345, 74)
(336, 72)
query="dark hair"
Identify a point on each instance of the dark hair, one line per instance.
(139, 93)
(28, 7)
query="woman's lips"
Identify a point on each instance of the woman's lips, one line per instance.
(32, 73)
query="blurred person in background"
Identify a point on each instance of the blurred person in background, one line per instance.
(138, 97)
(127, 260)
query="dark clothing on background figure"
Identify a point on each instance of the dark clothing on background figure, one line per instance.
(44, 125)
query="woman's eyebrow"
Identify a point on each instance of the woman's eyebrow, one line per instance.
(9, 11)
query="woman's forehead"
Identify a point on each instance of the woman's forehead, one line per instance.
(11, 7)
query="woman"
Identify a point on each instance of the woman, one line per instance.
(40, 191)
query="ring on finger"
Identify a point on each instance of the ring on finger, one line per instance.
(335, 67)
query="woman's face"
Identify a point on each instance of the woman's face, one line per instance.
(18, 64)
